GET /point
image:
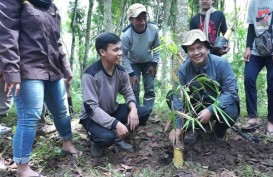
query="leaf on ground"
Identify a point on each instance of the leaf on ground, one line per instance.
(83, 136)
(107, 174)
(150, 135)
(154, 119)
(127, 168)
(154, 145)
(78, 170)
(227, 174)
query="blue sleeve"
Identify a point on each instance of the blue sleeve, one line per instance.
(228, 85)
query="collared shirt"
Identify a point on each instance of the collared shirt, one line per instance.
(217, 69)
(100, 90)
(30, 45)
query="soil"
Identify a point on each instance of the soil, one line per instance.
(206, 157)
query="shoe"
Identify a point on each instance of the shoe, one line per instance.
(4, 129)
(121, 144)
(96, 150)
(191, 137)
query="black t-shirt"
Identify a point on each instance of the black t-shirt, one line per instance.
(217, 24)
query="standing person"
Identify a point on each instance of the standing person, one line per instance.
(211, 22)
(33, 66)
(104, 119)
(259, 19)
(137, 42)
(5, 105)
(216, 68)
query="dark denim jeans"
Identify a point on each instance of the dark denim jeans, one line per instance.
(148, 81)
(105, 137)
(252, 69)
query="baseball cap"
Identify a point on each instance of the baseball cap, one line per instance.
(193, 35)
(135, 9)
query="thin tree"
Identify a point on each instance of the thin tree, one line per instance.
(181, 26)
(165, 67)
(72, 26)
(108, 21)
(87, 34)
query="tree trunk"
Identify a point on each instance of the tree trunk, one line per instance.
(181, 26)
(108, 22)
(167, 8)
(165, 64)
(157, 11)
(87, 35)
(73, 45)
(122, 19)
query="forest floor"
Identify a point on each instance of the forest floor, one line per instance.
(152, 156)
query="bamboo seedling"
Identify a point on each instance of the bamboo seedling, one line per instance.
(193, 101)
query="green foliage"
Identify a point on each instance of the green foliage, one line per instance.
(193, 101)
(79, 25)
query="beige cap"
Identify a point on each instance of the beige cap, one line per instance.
(135, 9)
(193, 35)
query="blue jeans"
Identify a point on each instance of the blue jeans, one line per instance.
(105, 137)
(29, 105)
(148, 81)
(252, 69)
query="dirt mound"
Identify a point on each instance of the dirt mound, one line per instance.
(229, 154)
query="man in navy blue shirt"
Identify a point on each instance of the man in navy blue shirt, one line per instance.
(212, 22)
(216, 68)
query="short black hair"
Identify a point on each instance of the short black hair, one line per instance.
(104, 39)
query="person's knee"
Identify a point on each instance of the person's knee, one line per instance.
(143, 114)
(233, 113)
(105, 139)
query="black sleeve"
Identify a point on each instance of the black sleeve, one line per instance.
(194, 22)
(223, 27)
(250, 36)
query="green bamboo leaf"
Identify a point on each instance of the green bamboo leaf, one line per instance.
(223, 116)
(186, 125)
(216, 112)
(199, 123)
(188, 100)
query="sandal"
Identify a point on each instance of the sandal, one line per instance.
(251, 126)
(76, 154)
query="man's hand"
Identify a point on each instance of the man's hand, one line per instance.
(122, 130)
(247, 54)
(133, 81)
(133, 119)
(174, 136)
(10, 86)
(204, 116)
(152, 70)
(68, 82)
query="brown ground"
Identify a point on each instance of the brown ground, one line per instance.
(152, 157)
